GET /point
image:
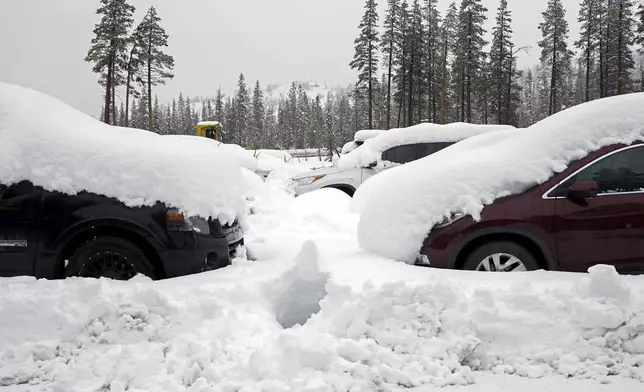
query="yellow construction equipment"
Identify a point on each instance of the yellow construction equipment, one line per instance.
(210, 129)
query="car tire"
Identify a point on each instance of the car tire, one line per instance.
(109, 257)
(501, 256)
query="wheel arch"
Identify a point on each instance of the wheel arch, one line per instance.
(346, 188)
(79, 234)
(521, 237)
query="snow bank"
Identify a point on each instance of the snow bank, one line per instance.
(220, 331)
(401, 205)
(372, 149)
(59, 148)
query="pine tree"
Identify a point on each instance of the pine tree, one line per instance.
(555, 56)
(640, 28)
(186, 121)
(258, 114)
(388, 46)
(620, 39)
(242, 111)
(501, 63)
(168, 124)
(271, 138)
(157, 66)
(219, 106)
(415, 71)
(588, 43)
(302, 116)
(401, 64)
(449, 31)
(108, 49)
(365, 59)
(433, 58)
(157, 116)
(470, 56)
(122, 119)
(174, 122)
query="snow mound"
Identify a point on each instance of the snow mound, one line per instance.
(401, 205)
(366, 134)
(59, 148)
(372, 149)
(202, 145)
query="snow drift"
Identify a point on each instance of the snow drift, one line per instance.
(59, 148)
(401, 205)
(372, 149)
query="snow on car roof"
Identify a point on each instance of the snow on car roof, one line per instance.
(366, 134)
(61, 149)
(401, 205)
(372, 149)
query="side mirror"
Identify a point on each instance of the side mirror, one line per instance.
(583, 190)
(372, 165)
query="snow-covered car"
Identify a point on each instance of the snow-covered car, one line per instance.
(388, 149)
(563, 194)
(81, 198)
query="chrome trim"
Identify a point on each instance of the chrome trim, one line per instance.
(545, 197)
(13, 244)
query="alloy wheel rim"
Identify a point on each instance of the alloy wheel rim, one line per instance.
(108, 264)
(501, 262)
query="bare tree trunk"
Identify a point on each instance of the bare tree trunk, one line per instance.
(108, 90)
(620, 55)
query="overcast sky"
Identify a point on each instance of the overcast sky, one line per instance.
(43, 43)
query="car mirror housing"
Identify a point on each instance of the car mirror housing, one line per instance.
(372, 165)
(583, 190)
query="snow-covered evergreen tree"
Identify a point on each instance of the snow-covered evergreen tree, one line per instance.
(388, 47)
(433, 58)
(470, 56)
(365, 59)
(555, 55)
(157, 65)
(258, 113)
(588, 44)
(449, 31)
(242, 112)
(501, 63)
(109, 48)
(621, 36)
(157, 117)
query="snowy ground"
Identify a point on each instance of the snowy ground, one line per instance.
(380, 325)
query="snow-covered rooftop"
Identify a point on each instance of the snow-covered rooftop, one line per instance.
(59, 148)
(401, 205)
(372, 149)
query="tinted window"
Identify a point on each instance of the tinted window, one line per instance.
(427, 149)
(401, 154)
(620, 172)
(412, 152)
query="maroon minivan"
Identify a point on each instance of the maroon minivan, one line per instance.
(592, 213)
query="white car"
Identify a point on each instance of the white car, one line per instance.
(389, 148)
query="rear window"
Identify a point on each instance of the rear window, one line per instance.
(411, 152)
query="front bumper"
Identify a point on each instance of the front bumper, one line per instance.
(194, 253)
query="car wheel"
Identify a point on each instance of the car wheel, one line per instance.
(502, 256)
(109, 257)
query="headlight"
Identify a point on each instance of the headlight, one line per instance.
(307, 180)
(178, 222)
(448, 220)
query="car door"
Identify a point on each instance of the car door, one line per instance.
(607, 228)
(20, 206)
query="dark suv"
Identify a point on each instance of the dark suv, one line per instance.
(54, 235)
(592, 213)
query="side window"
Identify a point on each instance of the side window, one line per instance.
(427, 149)
(401, 154)
(617, 173)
